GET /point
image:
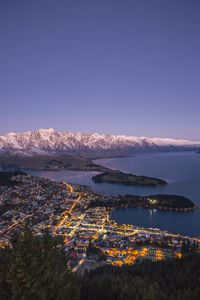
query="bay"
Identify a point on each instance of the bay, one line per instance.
(180, 169)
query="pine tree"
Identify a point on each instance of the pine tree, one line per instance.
(37, 269)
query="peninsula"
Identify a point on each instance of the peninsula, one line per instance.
(159, 201)
(74, 162)
(118, 177)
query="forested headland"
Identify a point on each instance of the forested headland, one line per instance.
(159, 201)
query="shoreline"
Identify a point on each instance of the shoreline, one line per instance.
(166, 219)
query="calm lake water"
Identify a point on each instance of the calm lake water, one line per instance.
(180, 169)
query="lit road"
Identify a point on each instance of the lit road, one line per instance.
(30, 215)
(66, 212)
(69, 186)
(101, 230)
(79, 264)
(22, 220)
(77, 225)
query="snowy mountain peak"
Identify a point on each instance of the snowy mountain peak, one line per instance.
(48, 141)
(46, 131)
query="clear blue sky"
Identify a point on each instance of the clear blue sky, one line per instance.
(121, 67)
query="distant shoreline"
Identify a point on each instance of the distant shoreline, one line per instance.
(77, 163)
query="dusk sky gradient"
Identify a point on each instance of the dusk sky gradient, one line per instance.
(121, 67)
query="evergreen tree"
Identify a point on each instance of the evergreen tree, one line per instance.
(36, 269)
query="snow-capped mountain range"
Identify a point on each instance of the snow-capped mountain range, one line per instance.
(45, 141)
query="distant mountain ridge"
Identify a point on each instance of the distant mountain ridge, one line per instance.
(48, 141)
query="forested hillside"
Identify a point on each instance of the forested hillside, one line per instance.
(35, 268)
(170, 280)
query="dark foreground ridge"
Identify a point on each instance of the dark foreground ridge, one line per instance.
(166, 280)
(34, 267)
(119, 177)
